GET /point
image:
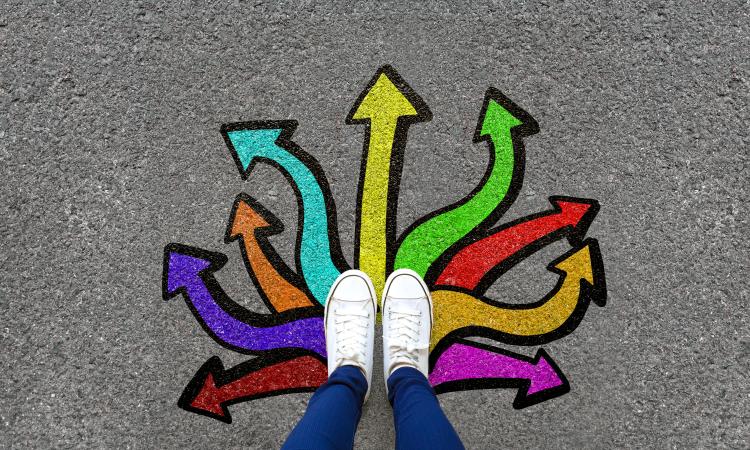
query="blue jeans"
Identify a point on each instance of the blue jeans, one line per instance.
(335, 409)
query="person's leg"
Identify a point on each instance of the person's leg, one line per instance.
(407, 326)
(332, 414)
(419, 421)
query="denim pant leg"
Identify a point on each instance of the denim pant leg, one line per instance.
(419, 421)
(332, 414)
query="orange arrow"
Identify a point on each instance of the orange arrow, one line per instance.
(280, 288)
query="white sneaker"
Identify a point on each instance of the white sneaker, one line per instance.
(350, 323)
(407, 322)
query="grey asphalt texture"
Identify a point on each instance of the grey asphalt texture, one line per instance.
(110, 149)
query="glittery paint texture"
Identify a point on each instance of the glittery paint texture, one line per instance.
(458, 249)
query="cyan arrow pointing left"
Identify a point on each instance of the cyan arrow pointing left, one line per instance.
(318, 254)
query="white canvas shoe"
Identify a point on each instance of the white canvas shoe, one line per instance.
(407, 322)
(350, 323)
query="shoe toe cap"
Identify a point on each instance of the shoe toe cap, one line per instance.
(406, 285)
(352, 287)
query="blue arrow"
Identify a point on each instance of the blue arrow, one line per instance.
(318, 249)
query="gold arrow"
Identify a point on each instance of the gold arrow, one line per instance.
(581, 280)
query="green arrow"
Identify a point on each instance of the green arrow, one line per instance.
(503, 125)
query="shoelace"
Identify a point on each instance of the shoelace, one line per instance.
(404, 342)
(351, 334)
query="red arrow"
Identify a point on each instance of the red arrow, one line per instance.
(478, 264)
(213, 389)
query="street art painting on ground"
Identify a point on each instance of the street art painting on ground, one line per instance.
(459, 250)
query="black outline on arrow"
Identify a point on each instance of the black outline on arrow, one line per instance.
(397, 158)
(284, 141)
(587, 293)
(222, 377)
(574, 233)
(275, 226)
(527, 128)
(216, 262)
(522, 399)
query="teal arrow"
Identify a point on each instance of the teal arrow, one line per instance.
(503, 125)
(318, 253)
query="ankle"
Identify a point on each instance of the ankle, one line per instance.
(352, 365)
(401, 365)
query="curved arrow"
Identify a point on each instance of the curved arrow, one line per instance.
(503, 124)
(189, 271)
(477, 265)
(557, 314)
(251, 223)
(318, 254)
(213, 389)
(470, 365)
(388, 106)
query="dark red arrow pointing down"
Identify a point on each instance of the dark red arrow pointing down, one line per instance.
(478, 264)
(213, 389)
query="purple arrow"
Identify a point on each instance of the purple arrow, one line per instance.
(467, 365)
(189, 271)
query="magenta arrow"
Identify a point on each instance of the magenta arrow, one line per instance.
(189, 271)
(470, 365)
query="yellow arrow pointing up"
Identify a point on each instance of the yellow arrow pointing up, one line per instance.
(388, 105)
(454, 310)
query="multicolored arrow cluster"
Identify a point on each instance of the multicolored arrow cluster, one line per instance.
(458, 249)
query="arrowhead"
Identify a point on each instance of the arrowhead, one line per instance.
(500, 114)
(388, 96)
(201, 394)
(573, 210)
(209, 400)
(577, 263)
(248, 140)
(248, 216)
(183, 265)
(546, 375)
(497, 119)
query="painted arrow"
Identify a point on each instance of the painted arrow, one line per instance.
(503, 125)
(388, 106)
(581, 273)
(251, 223)
(318, 254)
(189, 271)
(477, 265)
(213, 389)
(470, 365)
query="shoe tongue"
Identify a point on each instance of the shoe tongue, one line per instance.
(351, 362)
(349, 307)
(404, 304)
(423, 339)
(400, 362)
